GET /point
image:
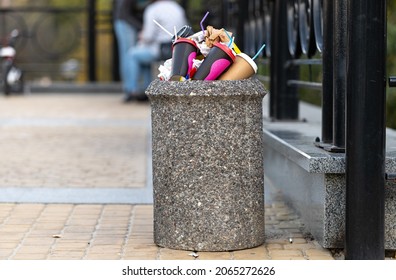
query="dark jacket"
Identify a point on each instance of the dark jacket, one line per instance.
(129, 10)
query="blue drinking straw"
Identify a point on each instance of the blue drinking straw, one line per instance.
(260, 50)
(203, 19)
(229, 37)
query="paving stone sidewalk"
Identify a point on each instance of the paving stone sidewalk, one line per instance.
(75, 184)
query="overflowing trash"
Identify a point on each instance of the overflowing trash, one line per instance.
(209, 54)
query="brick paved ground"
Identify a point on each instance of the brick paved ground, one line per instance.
(77, 142)
(113, 232)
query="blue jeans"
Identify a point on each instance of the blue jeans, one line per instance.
(126, 38)
(139, 59)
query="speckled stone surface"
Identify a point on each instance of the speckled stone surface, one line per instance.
(315, 182)
(208, 178)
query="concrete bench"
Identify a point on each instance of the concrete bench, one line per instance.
(312, 180)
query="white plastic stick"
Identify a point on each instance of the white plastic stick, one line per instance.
(163, 28)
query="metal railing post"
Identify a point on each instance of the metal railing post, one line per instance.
(283, 99)
(327, 83)
(365, 141)
(339, 75)
(242, 20)
(91, 46)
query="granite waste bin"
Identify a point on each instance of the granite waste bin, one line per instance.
(208, 177)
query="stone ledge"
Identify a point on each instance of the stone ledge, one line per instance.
(296, 142)
(301, 150)
(312, 180)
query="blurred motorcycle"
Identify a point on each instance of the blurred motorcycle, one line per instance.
(11, 78)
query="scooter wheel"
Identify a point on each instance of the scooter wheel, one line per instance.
(6, 66)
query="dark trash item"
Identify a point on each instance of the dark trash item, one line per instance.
(183, 32)
(184, 51)
(218, 60)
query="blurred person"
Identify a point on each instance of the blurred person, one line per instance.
(170, 15)
(127, 18)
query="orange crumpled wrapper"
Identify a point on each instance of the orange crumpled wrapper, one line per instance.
(213, 35)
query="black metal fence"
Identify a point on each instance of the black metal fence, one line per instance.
(347, 39)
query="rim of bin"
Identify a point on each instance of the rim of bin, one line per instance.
(247, 87)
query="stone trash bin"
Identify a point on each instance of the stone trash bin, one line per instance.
(208, 177)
